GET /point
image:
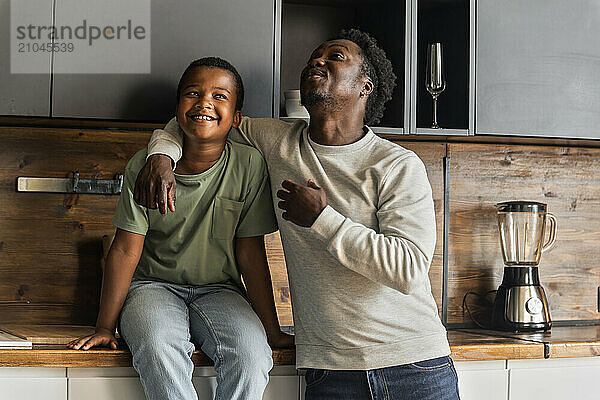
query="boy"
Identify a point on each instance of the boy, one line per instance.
(187, 286)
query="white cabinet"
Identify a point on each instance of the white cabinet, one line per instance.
(284, 384)
(124, 384)
(104, 384)
(33, 383)
(482, 380)
(555, 379)
(105, 388)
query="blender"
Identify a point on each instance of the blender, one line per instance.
(520, 304)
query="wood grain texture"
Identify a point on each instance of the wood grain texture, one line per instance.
(48, 334)
(433, 155)
(472, 346)
(464, 346)
(60, 356)
(562, 341)
(51, 244)
(512, 351)
(279, 278)
(567, 179)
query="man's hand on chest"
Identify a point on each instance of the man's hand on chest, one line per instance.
(302, 205)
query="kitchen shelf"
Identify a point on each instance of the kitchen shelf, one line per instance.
(447, 22)
(306, 24)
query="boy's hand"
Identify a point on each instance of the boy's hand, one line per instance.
(155, 184)
(301, 204)
(281, 340)
(102, 337)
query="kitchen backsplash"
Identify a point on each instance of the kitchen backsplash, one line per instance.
(50, 244)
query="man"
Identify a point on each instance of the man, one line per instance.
(358, 237)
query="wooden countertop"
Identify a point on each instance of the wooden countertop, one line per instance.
(465, 344)
(470, 346)
(560, 342)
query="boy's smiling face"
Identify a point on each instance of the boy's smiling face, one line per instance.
(206, 106)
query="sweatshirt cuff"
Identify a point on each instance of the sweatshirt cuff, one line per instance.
(328, 223)
(168, 149)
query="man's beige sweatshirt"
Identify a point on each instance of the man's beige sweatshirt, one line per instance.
(361, 296)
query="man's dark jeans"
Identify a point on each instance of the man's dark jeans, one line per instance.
(433, 379)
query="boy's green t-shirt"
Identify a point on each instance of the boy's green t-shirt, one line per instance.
(195, 245)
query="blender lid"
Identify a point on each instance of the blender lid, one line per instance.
(521, 206)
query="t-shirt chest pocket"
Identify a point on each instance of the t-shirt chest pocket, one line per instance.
(226, 215)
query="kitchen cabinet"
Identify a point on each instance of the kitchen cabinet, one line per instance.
(538, 69)
(451, 23)
(124, 384)
(402, 30)
(105, 388)
(306, 24)
(33, 383)
(569, 378)
(24, 93)
(282, 388)
(240, 31)
(482, 380)
(561, 378)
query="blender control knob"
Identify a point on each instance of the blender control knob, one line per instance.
(534, 305)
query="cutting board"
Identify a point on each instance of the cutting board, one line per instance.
(48, 334)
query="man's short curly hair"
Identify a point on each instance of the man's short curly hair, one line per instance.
(376, 66)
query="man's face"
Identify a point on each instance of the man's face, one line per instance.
(206, 107)
(331, 75)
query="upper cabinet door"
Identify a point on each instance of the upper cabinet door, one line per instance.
(23, 92)
(240, 31)
(449, 23)
(305, 24)
(538, 68)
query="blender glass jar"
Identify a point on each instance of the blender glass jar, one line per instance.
(522, 226)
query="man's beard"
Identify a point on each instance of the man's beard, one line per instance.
(325, 100)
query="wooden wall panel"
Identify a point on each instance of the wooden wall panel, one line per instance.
(50, 244)
(279, 278)
(433, 155)
(567, 179)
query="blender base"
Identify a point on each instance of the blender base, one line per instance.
(520, 304)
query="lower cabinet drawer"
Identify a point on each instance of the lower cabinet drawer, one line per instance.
(482, 379)
(33, 388)
(555, 379)
(130, 388)
(477, 385)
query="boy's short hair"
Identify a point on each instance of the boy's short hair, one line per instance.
(216, 62)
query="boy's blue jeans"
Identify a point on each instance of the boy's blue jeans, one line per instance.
(433, 379)
(163, 322)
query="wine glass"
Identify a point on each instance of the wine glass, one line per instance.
(435, 81)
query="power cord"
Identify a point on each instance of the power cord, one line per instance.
(466, 306)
